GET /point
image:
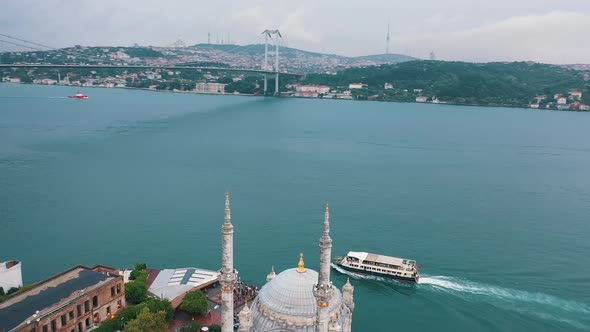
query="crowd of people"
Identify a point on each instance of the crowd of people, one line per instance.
(243, 293)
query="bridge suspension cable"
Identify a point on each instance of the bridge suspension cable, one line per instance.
(28, 42)
(21, 45)
(49, 48)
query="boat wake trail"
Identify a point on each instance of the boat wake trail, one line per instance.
(33, 97)
(541, 306)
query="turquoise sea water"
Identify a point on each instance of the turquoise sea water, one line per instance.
(493, 203)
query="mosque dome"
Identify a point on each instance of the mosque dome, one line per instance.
(287, 303)
(291, 293)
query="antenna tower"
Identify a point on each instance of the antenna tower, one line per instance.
(387, 39)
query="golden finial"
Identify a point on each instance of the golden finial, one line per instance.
(301, 265)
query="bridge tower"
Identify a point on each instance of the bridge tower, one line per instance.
(269, 34)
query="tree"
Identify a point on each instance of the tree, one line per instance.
(214, 328)
(243, 86)
(12, 290)
(225, 80)
(140, 266)
(135, 292)
(2, 291)
(138, 275)
(148, 321)
(175, 85)
(195, 303)
(156, 305)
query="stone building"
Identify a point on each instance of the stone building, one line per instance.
(297, 299)
(74, 300)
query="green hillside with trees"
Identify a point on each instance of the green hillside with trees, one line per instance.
(504, 84)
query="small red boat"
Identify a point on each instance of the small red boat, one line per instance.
(79, 96)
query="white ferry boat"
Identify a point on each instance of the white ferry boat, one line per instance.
(400, 269)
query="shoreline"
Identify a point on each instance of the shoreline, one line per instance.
(319, 98)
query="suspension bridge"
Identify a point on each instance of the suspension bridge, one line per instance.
(267, 69)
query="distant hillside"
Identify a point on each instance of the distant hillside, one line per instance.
(394, 58)
(257, 49)
(288, 52)
(514, 84)
(298, 60)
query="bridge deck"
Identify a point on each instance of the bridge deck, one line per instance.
(29, 65)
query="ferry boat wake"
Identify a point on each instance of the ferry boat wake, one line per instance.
(546, 307)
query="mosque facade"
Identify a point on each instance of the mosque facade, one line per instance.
(295, 300)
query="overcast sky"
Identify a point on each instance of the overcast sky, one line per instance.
(552, 31)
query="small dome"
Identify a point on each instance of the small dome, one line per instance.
(291, 293)
(271, 275)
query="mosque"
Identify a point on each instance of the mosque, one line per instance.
(295, 300)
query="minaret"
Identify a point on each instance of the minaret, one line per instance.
(227, 275)
(323, 290)
(348, 305)
(245, 319)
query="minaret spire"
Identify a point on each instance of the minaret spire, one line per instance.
(227, 274)
(325, 250)
(327, 220)
(324, 290)
(227, 210)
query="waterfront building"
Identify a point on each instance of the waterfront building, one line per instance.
(356, 86)
(74, 300)
(297, 299)
(11, 275)
(210, 87)
(311, 88)
(575, 94)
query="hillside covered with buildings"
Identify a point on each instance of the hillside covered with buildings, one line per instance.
(386, 77)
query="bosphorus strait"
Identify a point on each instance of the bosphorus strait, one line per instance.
(492, 202)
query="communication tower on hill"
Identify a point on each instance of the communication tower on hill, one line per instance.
(387, 39)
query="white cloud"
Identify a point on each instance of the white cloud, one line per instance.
(294, 26)
(471, 30)
(556, 37)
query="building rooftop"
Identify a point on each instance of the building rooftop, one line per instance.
(174, 283)
(51, 294)
(8, 264)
